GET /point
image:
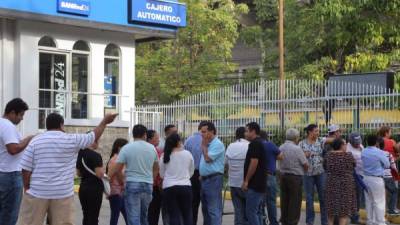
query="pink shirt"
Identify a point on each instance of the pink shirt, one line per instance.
(157, 181)
(117, 188)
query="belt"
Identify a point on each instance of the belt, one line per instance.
(374, 176)
(12, 173)
(270, 173)
(210, 176)
(291, 174)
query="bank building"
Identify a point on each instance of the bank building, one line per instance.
(77, 57)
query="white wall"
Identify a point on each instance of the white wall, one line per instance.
(27, 35)
(9, 82)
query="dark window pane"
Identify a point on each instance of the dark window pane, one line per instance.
(81, 46)
(45, 61)
(47, 42)
(79, 104)
(112, 50)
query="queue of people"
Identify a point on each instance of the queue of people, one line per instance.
(150, 177)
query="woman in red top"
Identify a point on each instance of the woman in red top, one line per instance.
(390, 144)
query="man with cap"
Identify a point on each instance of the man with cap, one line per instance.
(334, 132)
(355, 148)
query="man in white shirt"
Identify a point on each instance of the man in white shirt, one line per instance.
(11, 147)
(235, 157)
(355, 148)
(48, 168)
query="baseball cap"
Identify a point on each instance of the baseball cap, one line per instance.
(355, 138)
(333, 128)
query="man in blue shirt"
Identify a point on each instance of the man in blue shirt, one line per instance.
(193, 145)
(374, 164)
(272, 153)
(211, 170)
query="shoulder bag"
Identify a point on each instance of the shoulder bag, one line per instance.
(104, 179)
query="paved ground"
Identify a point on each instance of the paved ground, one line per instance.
(105, 214)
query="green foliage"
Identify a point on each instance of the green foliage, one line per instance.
(331, 36)
(173, 69)
(268, 12)
(366, 61)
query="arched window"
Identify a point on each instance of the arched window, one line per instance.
(79, 80)
(112, 50)
(47, 41)
(111, 77)
(81, 46)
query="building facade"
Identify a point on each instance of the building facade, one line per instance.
(77, 57)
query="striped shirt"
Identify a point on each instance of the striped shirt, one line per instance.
(51, 157)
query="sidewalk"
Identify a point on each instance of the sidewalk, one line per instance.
(226, 220)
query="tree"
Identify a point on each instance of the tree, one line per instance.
(191, 63)
(331, 36)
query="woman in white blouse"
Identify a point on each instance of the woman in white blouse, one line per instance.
(176, 168)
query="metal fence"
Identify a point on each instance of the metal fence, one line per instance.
(353, 106)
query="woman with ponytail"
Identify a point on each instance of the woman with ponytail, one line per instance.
(176, 168)
(117, 184)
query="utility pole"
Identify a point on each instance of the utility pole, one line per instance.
(281, 65)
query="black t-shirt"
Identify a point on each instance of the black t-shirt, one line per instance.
(92, 160)
(256, 151)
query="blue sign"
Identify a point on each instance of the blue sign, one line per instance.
(158, 12)
(109, 88)
(77, 7)
(106, 12)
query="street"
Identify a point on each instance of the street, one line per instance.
(226, 220)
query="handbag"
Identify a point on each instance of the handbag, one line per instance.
(104, 179)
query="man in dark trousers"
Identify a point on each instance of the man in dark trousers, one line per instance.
(272, 154)
(193, 145)
(254, 174)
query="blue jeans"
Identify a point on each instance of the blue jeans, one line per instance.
(211, 200)
(360, 202)
(392, 192)
(239, 204)
(253, 202)
(310, 182)
(137, 200)
(10, 197)
(117, 206)
(270, 199)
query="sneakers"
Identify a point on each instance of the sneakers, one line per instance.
(396, 212)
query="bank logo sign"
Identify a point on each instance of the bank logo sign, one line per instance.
(157, 12)
(77, 7)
